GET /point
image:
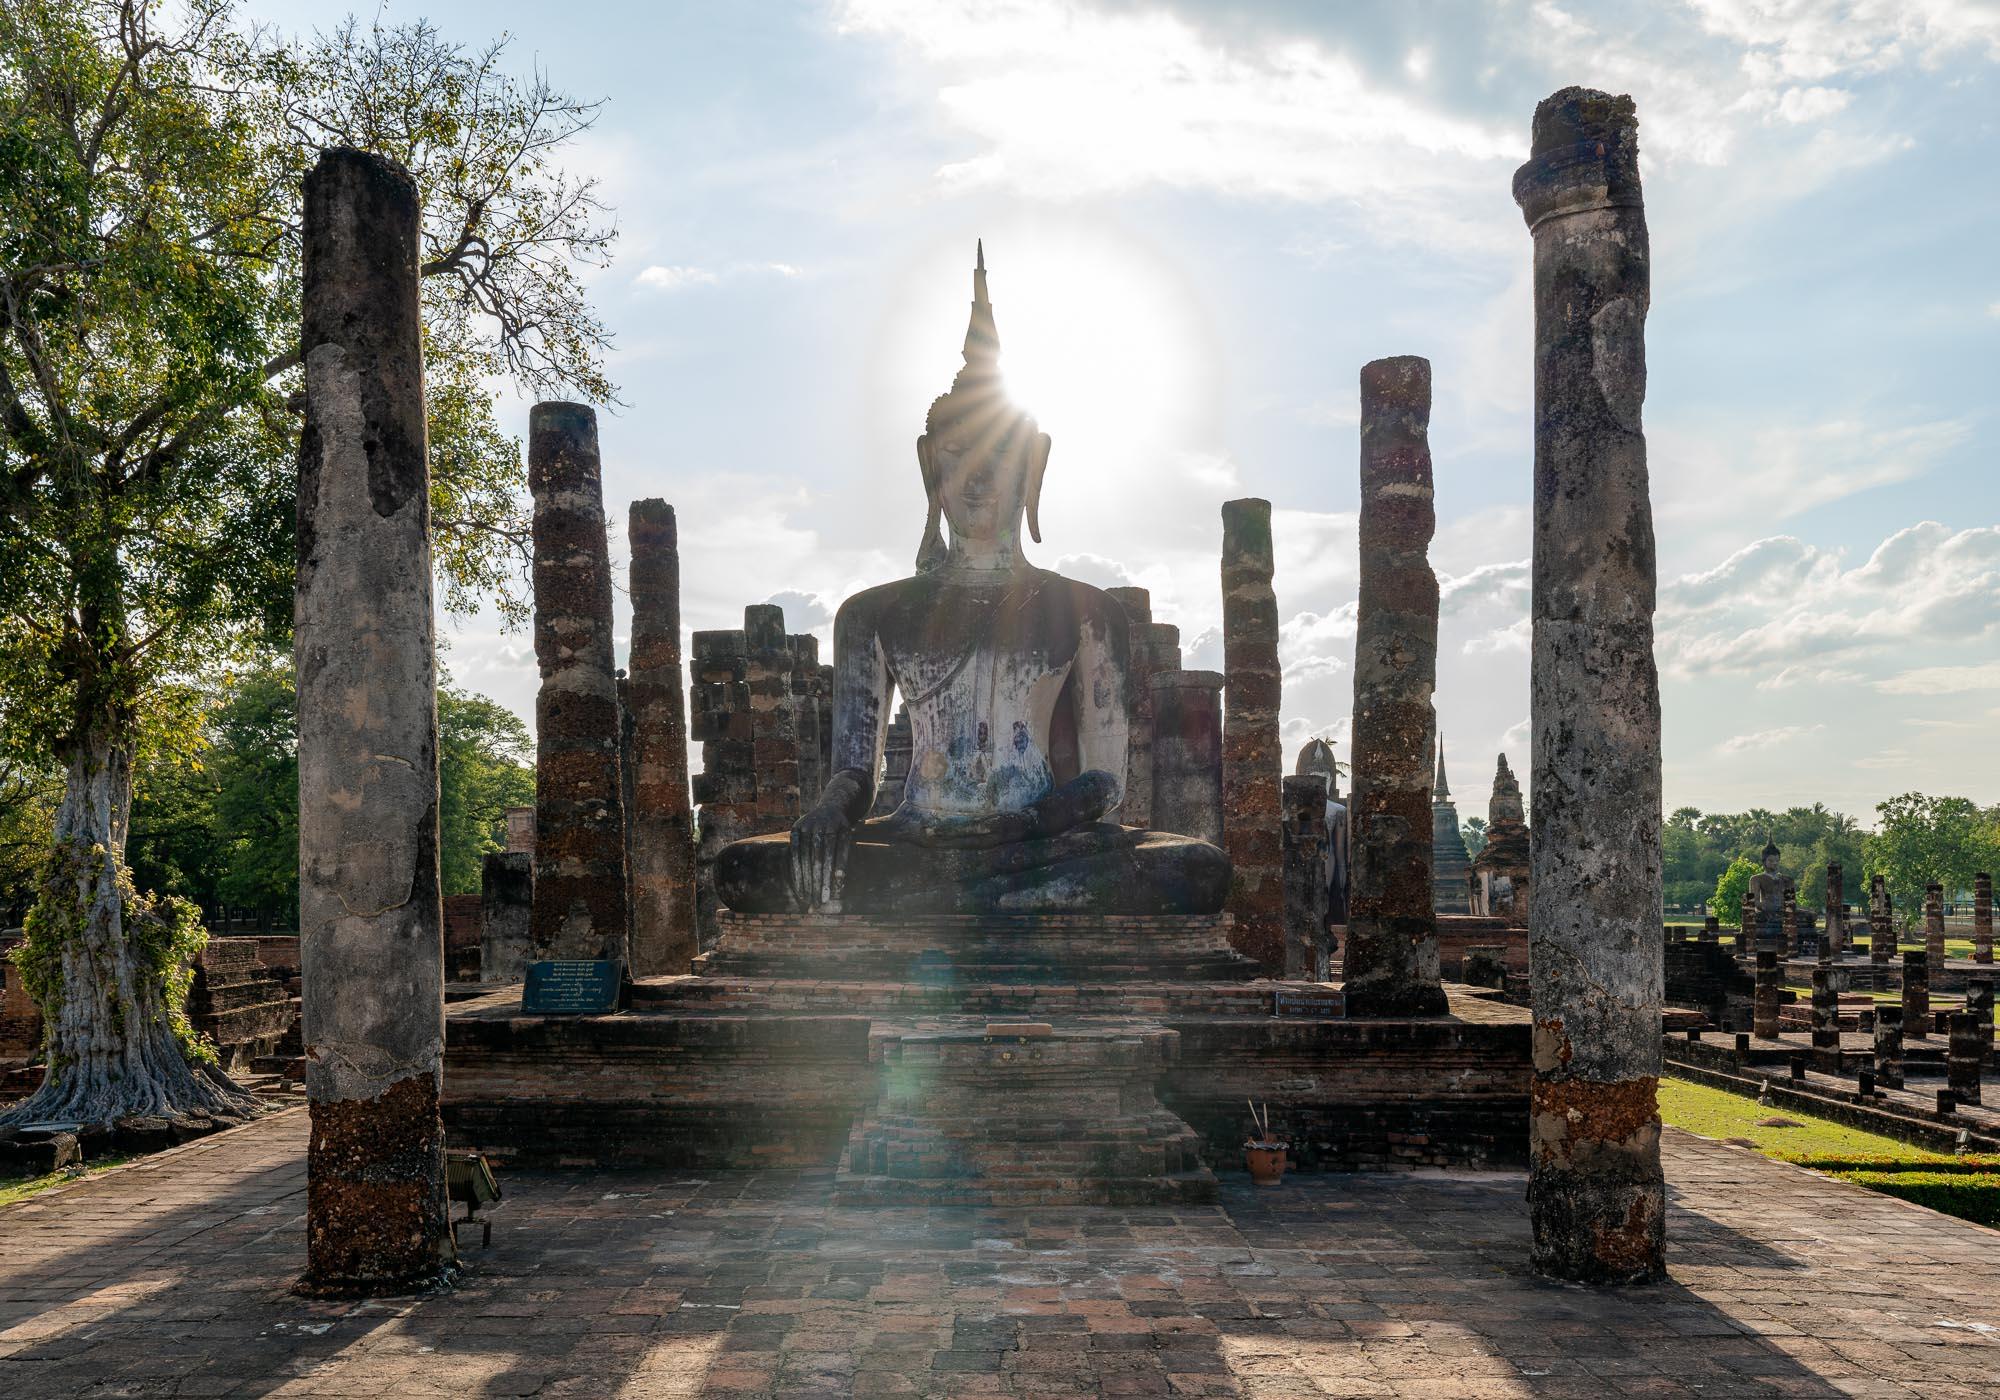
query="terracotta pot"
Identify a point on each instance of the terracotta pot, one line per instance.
(1266, 1161)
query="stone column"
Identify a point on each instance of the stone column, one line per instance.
(1881, 923)
(1305, 877)
(1187, 753)
(1392, 952)
(1788, 921)
(898, 748)
(1934, 923)
(581, 900)
(506, 902)
(1770, 982)
(1165, 640)
(1136, 809)
(774, 734)
(662, 819)
(1982, 918)
(1253, 760)
(371, 921)
(1711, 929)
(1965, 1053)
(1917, 994)
(1825, 1019)
(1834, 945)
(1596, 1196)
(726, 788)
(804, 693)
(1979, 1002)
(1889, 1047)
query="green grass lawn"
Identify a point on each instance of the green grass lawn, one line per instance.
(16, 1188)
(1714, 1113)
(1966, 1187)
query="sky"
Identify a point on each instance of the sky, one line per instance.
(1202, 219)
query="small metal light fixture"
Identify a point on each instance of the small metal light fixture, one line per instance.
(469, 1179)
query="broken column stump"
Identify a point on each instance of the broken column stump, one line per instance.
(1187, 753)
(1965, 1053)
(1934, 924)
(661, 816)
(1834, 944)
(1764, 1004)
(1392, 966)
(1597, 1200)
(1889, 1047)
(1916, 994)
(1881, 923)
(371, 921)
(1305, 877)
(506, 906)
(1253, 760)
(581, 900)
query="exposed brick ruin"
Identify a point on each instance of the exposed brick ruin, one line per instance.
(660, 816)
(1881, 922)
(1770, 987)
(1597, 1200)
(506, 908)
(1934, 923)
(371, 941)
(1916, 994)
(1392, 956)
(1502, 869)
(244, 1008)
(1252, 756)
(581, 902)
(1889, 1047)
(1834, 945)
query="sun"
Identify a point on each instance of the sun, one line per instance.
(1101, 340)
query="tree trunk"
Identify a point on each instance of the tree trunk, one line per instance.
(109, 1031)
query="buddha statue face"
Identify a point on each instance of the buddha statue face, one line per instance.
(983, 470)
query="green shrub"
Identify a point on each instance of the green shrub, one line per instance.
(1849, 1162)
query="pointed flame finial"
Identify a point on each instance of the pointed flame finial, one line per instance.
(1442, 790)
(982, 337)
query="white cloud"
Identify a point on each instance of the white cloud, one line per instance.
(667, 278)
(1777, 471)
(1943, 680)
(1767, 738)
(1811, 104)
(1788, 609)
(1813, 40)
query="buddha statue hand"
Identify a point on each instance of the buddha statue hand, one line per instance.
(820, 839)
(1081, 800)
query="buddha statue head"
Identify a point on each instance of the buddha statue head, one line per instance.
(982, 456)
(1770, 858)
(1316, 758)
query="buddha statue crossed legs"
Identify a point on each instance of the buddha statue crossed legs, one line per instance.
(1015, 682)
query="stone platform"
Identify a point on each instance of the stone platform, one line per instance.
(879, 1046)
(170, 1277)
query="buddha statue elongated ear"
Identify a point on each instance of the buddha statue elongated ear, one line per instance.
(1038, 463)
(932, 551)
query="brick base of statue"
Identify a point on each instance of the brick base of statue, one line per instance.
(986, 1059)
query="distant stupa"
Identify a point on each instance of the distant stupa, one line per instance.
(1451, 867)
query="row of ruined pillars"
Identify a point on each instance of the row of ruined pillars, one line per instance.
(370, 911)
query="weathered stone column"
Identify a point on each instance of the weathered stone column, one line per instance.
(581, 900)
(1253, 760)
(1136, 808)
(1934, 923)
(1965, 1053)
(774, 733)
(1165, 640)
(1834, 944)
(1764, 1006)
(1889, 1047)
(803, 689)
(1982, 918)
(1979, 1003)
(1392, 952)
(1825, 1019)
(726, 788)
(1917, 994)
(662, 819)
(1711, 929)
(371, 922)
(1881, 922)
(506, 905)
(1187, 753)
(1305, 877)
(1788, 921)
(1596, 1196)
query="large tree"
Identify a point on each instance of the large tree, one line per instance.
(149, 207)
(1921, 838)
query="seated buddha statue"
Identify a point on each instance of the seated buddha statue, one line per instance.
(1014, 679)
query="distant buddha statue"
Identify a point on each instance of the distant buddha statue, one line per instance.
(1014, 680)
(1766, 893)
(1317, 757)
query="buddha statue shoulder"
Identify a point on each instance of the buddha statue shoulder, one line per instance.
(1015, 682)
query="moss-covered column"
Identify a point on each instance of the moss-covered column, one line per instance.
(1597, 1201)
(1392, 952)
(662, 819)
(1253, 760)
(371, 941)
(581, 900)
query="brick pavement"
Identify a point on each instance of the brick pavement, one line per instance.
(168, 1278)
